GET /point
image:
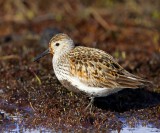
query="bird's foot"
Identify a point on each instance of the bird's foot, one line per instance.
(90, 104)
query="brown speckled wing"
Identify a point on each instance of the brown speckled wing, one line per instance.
(98, 69)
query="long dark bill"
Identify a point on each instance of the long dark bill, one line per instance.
(41, 55)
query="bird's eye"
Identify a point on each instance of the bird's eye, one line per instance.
(57, 44)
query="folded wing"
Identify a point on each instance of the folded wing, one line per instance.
(98, 69)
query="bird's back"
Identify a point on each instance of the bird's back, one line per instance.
(97, 68)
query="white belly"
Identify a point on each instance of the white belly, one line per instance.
(93, 91)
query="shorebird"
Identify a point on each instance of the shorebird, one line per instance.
(89, 70)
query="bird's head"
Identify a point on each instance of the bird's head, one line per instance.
(59, 44)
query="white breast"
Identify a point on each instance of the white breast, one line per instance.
(61, 70)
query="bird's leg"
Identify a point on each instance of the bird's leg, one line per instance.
(90, 104)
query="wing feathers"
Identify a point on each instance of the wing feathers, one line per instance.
(97, 68)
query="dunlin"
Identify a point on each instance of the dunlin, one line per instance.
(89, 70)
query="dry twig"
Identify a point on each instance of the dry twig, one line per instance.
(9, 57)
